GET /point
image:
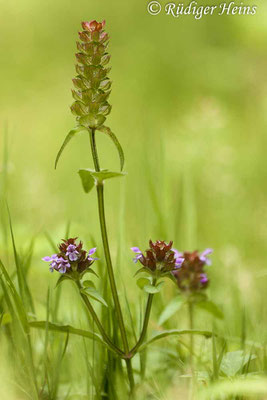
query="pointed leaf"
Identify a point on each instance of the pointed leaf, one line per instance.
(113, 137)
(87, 179)
(89, 176)
(89, 271)
(175, 332)
(66, 141)
(62, 278)
(106, 174)
(68, 329)
(143, 269)
(94, 295)
(211, 308)
(89, 284)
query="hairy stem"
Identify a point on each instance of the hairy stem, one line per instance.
(97, 322)
(146, 320)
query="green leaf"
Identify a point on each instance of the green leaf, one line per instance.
(89, 271)
(62, 278)
(68, 329)
(87, 179)
(143, 269)
(233, 361)
(170, 310)
(66, 141)
(90, 292)
(89, 284)
(89, 176)
(113, 137)
(151, 289)
(142, 282)
(211, 308)
(175, 332)
(106, 174)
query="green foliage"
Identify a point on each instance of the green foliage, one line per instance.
(210, 307)
(107, 131)
(69, 136)
(93, 294)
(89, 177)
(175, 332)
(233, 361)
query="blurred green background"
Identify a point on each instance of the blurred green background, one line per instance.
(189, 107)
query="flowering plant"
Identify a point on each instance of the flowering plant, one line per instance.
(160, 260)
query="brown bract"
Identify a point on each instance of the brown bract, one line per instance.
(93, 25)
(159, 256)
(82, 262)
(191, 276)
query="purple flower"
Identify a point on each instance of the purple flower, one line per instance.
(138, 252)
(92, 251)
(203, 278)
(179, 259)
(71, 258)
(48, 259)
(72, 252)
(203, 257)
(59, 264)
(190, 275)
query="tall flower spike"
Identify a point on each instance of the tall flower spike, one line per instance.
(191, 276)
(92, 84)
(159, 260)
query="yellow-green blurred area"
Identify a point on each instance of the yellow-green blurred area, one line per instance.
(189, 108)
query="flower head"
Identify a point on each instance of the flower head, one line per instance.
(160, 259)
(191, 276)
(71, 258)
(92, 85)
(93, 25)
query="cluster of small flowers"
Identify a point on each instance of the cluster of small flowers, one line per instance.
(159, 260)
(187, 268)
(71, 257)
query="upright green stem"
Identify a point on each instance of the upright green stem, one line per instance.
(102, 219)
(145, 323)
(94, 149)
(97, 321)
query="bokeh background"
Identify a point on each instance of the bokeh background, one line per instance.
(189, 107)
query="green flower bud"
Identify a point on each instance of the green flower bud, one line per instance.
(92, 82)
